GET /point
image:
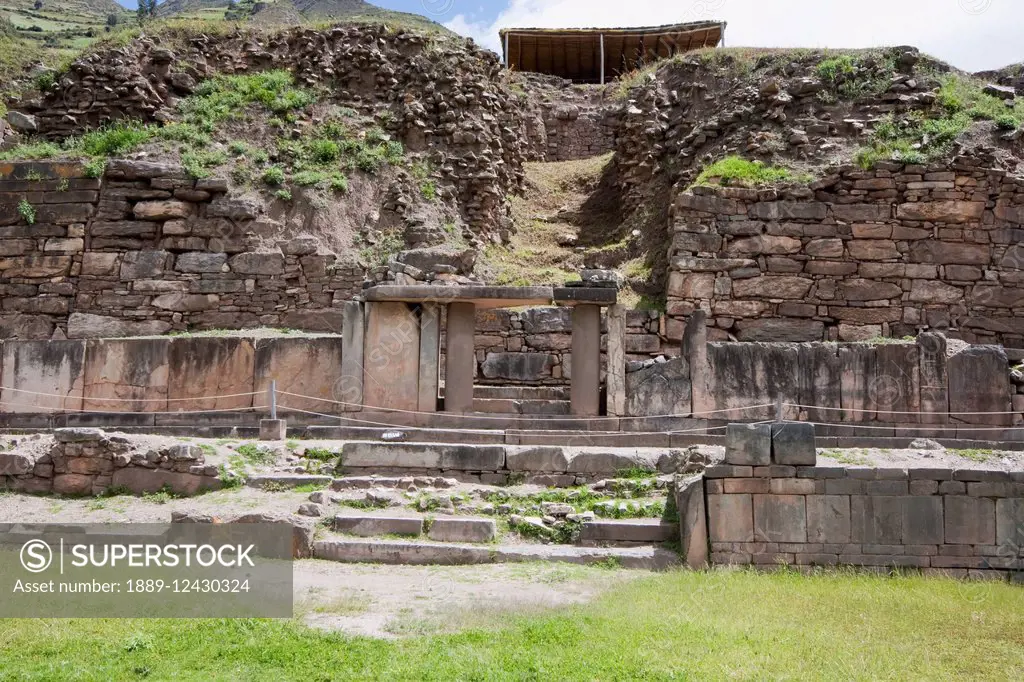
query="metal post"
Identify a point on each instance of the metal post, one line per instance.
(272, 398)
(602, 59)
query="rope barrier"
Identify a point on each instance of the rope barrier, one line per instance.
(854, 409)
(587, 434)
(943, 427)
(525, 417)
(136, 400)
(84, 411)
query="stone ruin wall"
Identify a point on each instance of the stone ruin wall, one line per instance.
(533, 347)
(950, 522)
(445, 98)
(567, 122)
(147, 250)
(860, 254)
(83, 461)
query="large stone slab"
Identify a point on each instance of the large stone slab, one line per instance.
(970, 520)
(423, 456)
(126, 375)
(549, 459)
(353, 329)
(780, 518)
(979, 381)
(828, 519)
(923, 520)
(820, 371)
(391, 357)
(731, 518)
(369, 526)
(793, 444)
(741, 375)
(525, 367)
(662, 389)
(90, 326)
(307, 367)
(693, 521)
(42, 376)
(430, 357)
(202, 368)
(876, 520)
(1010, 524)
(139, 481)
(462, 530)
(748, 444)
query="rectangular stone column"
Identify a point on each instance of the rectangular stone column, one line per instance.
(430, 356)
(695, 348)
(350, 389)
(616, 371)
(460, 358)
(391, 357)
(585, 387)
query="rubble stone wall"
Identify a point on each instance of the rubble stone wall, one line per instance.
(859, 254)
(148, 250)
(446, 97)
(941, 520)
(533, 347)
(83, 461)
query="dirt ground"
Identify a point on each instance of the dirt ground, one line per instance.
(394, 601)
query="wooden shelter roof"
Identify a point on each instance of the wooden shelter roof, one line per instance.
(576, 53)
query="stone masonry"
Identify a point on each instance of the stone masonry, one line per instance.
(148, 250)
(859, 254)
(85, 461)
(948, 521)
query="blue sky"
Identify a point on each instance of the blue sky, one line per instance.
(970, 34)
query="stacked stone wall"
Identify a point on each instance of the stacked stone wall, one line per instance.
(534, 346)
(90, 462)
(887, 252)
(148, 250)
(949, 521)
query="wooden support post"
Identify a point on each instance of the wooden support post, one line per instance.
(602, 59)
(507, 55)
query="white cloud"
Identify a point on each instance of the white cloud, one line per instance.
(971, 34)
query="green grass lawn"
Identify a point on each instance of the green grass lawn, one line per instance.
(680, 625)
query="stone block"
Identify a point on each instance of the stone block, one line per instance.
(369, 526)
(970, 520)
(791, 486)
(780, 518)
(778, 330)
(979, 382)
(525, 367)
(15, 465)
(42, 376)
(1010, 524)
(463, 530)
(203, 368)
(793, 444)
(662, 389)
(308, 367)
(137, 265)
(391, 357)
(139, 481)
(828, 519)
(89, 326)
(748, 444)
(72, 484)
(876, 520)
(923, 521)
(730, 518)
(547, 320)
(199, 261)
(126, 375)
(640, 531)
(265, 264)
(273, 429)
(693, 528)
(546, 459)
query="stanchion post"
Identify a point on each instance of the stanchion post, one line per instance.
(273, 428)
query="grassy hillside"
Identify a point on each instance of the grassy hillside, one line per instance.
(292, 11)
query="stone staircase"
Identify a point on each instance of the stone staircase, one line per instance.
(549, 401)
(392, 538)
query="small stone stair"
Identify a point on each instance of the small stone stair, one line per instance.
(627, 532)
(438, 529)
(455, 554)
(523, 400)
